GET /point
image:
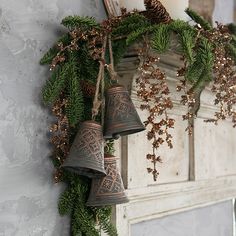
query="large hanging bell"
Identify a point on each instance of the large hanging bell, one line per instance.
(108, 190)
(86, 155)
(121, 116)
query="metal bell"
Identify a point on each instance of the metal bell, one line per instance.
(121, 116)
(86, 155)
(108, 190)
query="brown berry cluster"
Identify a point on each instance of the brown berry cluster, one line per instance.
(188, 99)
(59, 136)
(224, 76)
(154, 93)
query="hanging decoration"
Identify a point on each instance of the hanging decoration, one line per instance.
(92, 109)
(108, 190)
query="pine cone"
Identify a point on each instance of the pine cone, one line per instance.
(88, 88)
(156, 12)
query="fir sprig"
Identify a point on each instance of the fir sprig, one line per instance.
(54, 85)
(187, 42)
(130, 24)
(75, 108)
(103, 215)
(138, 33)
(161, 38)
(119, 49)
(179, 25)
(85, 23)
(202, 66)
(67, 201)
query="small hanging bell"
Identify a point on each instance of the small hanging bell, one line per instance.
(86, 155)
(121, 117)
(108, 190)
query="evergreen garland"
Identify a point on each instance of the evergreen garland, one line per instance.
(78, 65)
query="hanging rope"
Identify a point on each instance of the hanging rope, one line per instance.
(97, 102)
(110, 67)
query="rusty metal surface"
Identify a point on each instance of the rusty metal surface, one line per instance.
(86, 156)
(121, 116)
(108, 190)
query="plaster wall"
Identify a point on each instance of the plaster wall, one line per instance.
(28, 197)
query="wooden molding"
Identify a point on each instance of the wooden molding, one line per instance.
(163, 200)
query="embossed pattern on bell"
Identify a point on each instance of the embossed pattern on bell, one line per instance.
(86, 155)
(121, 116)
(108, 190)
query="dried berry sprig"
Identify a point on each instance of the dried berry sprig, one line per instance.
(154, 93)
(59, 136)
(188, 99)
(224, 76)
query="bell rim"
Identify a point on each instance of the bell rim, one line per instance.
(84, 171)
(110, 159)
(109, 135)
(116, 88)
(92, 123)
(108, 202)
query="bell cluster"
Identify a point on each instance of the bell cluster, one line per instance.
(86, 156)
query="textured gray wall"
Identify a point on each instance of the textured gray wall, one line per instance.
(28, 197)
(215, 220)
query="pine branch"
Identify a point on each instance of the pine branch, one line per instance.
(178, 26)
(161, 38)
(198, 19)
(206, 54)
(119, 49)
(231, 50)
(203, 63)
(75, 108)
(54, 85)
(82, 220)
(66, 201)
(130, 24)
(187, 41)
(138, 33)
(104, 217)
(232, 28)
(85, 23)
(194, 72)
(87, 67)
(52, 52)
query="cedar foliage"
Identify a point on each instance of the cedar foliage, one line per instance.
(79, 65)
